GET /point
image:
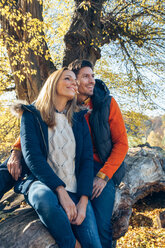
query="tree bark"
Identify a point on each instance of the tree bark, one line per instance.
(145, 174)
(85, 28)
(27, 87)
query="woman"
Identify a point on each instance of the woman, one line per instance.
(57, 149)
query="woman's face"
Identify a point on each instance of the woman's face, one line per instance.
(67, 85)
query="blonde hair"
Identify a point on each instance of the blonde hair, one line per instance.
(45, 100)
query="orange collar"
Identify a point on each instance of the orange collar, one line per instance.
(86, 102)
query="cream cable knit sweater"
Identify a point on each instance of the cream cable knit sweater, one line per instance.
(62, 148)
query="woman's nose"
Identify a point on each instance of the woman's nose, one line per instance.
(74, 82)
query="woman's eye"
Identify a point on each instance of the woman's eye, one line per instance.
(67, 78)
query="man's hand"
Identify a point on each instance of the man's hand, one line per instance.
(81, 210)
(67, 203)
(14, 164)
(98, 186)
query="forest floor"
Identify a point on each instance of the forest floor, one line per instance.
(144, 230)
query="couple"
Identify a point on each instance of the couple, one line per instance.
(57, 149)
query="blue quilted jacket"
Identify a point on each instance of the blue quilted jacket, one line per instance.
(34, 144)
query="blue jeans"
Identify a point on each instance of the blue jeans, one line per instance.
(46, 204)
(6, 180)
(103, 207)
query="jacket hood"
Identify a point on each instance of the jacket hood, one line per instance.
(100, 93)
(19, 107)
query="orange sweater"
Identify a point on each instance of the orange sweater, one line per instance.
(119, 139)
(17, 144)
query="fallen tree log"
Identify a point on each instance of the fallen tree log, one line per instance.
(145, 174)
(21, 228)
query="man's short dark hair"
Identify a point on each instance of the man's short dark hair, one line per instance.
(78, 64)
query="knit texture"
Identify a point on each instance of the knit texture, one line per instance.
(61, 155)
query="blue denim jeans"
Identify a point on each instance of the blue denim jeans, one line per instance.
(6, 180)
(46, 204)
(103, 207)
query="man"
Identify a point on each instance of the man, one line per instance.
(109, 145)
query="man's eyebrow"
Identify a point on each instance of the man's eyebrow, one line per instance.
(88, 74)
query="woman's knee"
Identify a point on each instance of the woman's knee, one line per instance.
(41, 198)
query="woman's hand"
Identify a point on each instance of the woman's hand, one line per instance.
(81, 210)
(67, 203)
(98, 186)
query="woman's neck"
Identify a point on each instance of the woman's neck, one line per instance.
(60, 104)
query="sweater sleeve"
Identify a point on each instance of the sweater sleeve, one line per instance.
(33, 153)
(119, 140)
(17, 144)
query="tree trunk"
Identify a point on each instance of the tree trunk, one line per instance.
(145, 174)
(85, 29)
(24, 61)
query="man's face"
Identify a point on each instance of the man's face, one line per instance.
(86, 83)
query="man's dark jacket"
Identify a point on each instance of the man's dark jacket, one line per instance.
(99, 123)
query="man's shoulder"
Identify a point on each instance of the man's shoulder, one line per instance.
(100, 85)
(114, 102)
(100, 95)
